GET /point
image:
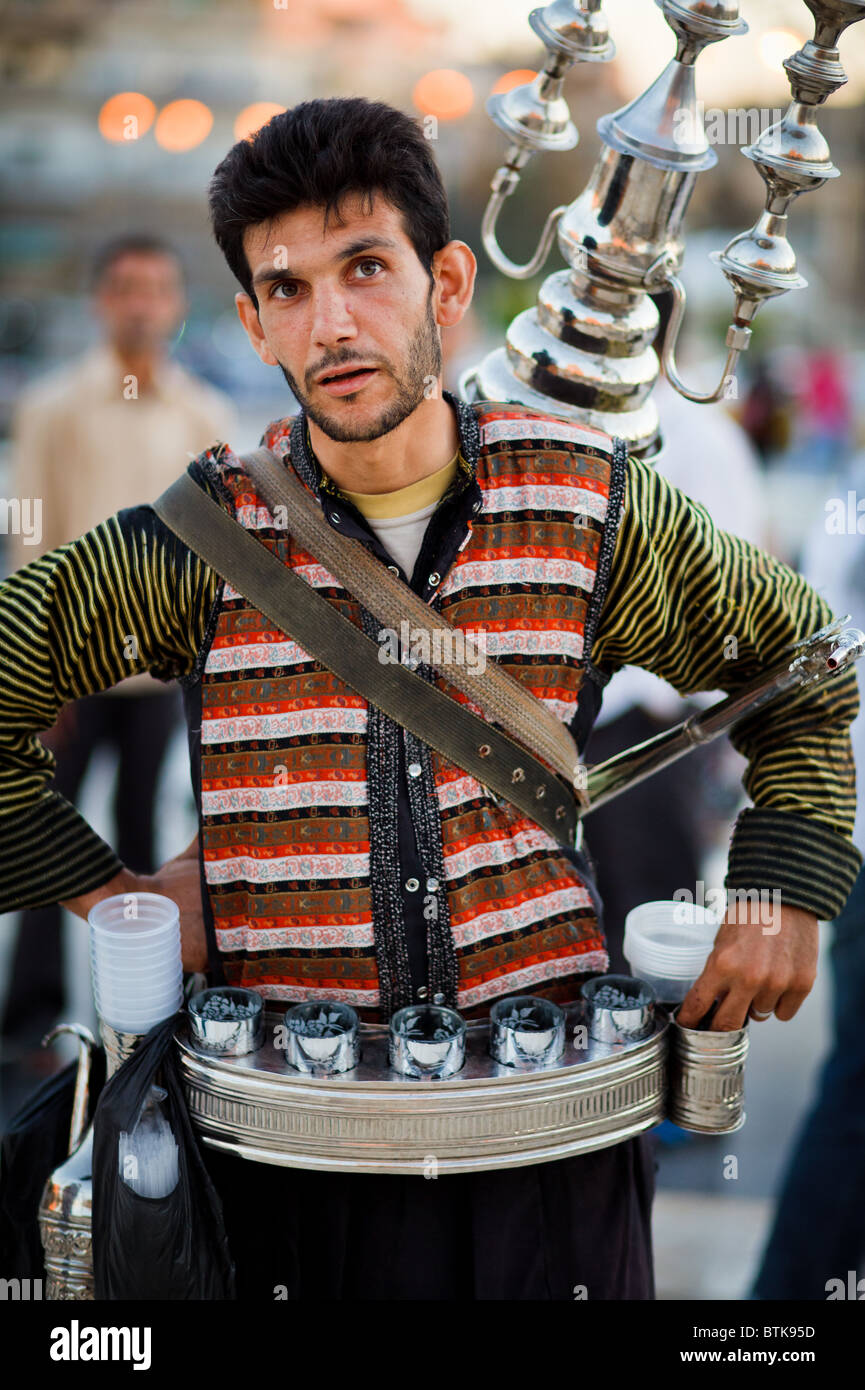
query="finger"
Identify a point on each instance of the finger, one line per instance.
(699, 999)
(790, 1003)
(764, 1004)
(732, 1012)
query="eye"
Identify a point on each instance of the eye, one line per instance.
(369, 260)
(283, 285)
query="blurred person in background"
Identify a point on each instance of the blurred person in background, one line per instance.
(99, 434)
(765, 413)
(825, 1174)
(826, 410)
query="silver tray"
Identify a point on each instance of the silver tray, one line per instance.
(371, 1120)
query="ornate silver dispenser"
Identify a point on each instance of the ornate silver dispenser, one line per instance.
(66, 1208)
(585, 351)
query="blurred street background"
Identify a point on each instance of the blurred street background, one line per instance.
(196, 75)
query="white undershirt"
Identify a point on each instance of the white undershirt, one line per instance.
(402, 536)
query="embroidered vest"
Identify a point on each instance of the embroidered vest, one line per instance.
(291, 758)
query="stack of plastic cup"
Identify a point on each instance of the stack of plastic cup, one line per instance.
(667, 944)
(135, 960)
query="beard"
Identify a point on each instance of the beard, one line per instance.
(423, 363)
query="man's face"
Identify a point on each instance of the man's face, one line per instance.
(355, 296)
(140, 300)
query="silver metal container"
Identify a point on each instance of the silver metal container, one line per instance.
(230, 1037)
(427, 1040)
(374, 1120)
(328, 1053)
(707, 1078)
(66, 1206)
(628, 1023)
(526, 1032)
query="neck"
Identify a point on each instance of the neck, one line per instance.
(422, 444)
(142, 364)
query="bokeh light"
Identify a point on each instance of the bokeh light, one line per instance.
(125, 117)
(776, 45)
(444, 93)
(253, 117)
(518, 77)
(181, 125)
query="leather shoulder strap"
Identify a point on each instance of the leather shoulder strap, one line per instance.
(501, 696)
(295, 608)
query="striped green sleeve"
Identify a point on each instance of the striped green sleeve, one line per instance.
(707, 610)
(124, 598)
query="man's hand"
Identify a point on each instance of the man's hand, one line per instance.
(764, 961)
(179, 880)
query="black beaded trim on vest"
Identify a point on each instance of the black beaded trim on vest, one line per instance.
(208, 469)
(389, 928)
(441, 953)
(618, 479)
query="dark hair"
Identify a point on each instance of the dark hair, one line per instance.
(314, 154)
(132, 244)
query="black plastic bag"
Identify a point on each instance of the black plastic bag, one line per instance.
(172, 1247)
(35, 1142)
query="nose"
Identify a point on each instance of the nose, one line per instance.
(332, 318)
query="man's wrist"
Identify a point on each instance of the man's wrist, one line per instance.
(123, 882)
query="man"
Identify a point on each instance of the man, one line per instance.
(340, 857)
(90, 438)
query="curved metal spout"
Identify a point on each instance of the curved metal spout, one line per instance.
(812, 661)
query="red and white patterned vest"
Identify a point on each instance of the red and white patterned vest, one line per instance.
(286, 824)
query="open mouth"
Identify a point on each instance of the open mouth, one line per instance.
(340, 383)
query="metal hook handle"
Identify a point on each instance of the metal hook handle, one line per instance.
(86, 1043)
(738, 338)
(504, 182)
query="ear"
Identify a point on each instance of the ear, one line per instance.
(248, 315)
(454, 268)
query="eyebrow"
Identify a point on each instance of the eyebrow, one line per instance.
(268, 274)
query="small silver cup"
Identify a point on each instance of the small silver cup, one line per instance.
(322, 1037)
(526, 1032)
(618, 1024)
(230, 1037)
(427, 1041)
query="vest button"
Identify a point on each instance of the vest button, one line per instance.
(335, 517)
(412, 885)
(434, 578)
(422, 992)
(414, 769)
(393, 569)
(432, 885)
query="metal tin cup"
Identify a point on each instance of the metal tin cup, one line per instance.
(322, 1037)
(707, 1078)
(427, 1040)
(622, 1019)
(231, 1037)
(526, 1031)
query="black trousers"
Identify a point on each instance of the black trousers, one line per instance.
(139, 728)
(576, 1228)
